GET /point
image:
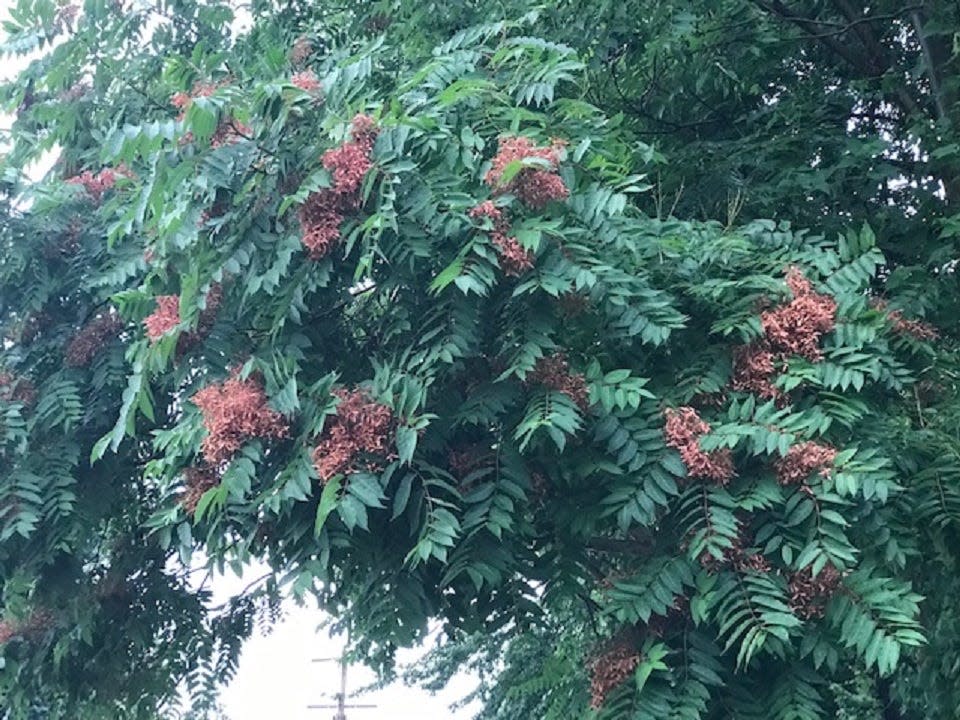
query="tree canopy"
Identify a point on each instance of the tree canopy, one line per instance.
(617, 338)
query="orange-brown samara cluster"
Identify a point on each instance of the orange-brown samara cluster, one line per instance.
(234, 412)
(326, 209)
(906, 326)
(683, 429)
(228, 131)
(356, 437)
(514, 258)
(754, 367)
(609, 670)
(553, 372)
(809, 595)
(738, 556)
(97, 184)
(794, 328)
(92, 338)
(465, 459)
(182, 101)
(166, 317)
(306, 80)
(802, 460)
(198, 480)
(16, 389)
(33, 625)
(797, 327)
(301, 50)
(537, 183)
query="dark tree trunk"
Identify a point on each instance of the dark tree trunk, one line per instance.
(890, 710)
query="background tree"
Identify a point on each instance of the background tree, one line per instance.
(383, 308)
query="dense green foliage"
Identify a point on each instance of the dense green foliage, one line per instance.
(396, 300)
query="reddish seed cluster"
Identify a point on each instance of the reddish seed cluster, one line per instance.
(349, 163)
(514, 258)
(164, 318)
(7, 631)
(16, 389)
(302, 49)
(65, 17)
(230, 131)
(363, 129)
(33, 325)
(92, 338)
(320, 220)
(182, 100)
(535, 184)
(802, 460)
(904, 326)
(683, 429)
(751, 562)
(573, 304)
(539, 484)
(378, 22)
(736, 557)
(75, 92)
(233, 413)
(358, 435)
(205, 320)
(553, 372)
(609, 670)
(34, 625)
(714, 400)
(324, 210)
(306, 80)
(197, 482)
(794, 328)
(68, 243)
(754, 366)
(537, 188)
(95, 184)
(208, 315)
(809, 595)
(916, 328)
(167, 316)
(677, 614)
(464, 460)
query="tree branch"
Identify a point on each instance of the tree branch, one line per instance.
(936, 89)
(809, 26)
(621, 546)
(879, 57)
(638, 108)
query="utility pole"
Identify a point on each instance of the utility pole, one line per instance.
(341, 707)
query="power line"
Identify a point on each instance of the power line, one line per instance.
(341, 706)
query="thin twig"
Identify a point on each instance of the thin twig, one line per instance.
(243, 592)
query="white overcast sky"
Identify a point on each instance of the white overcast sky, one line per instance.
(277, 677)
